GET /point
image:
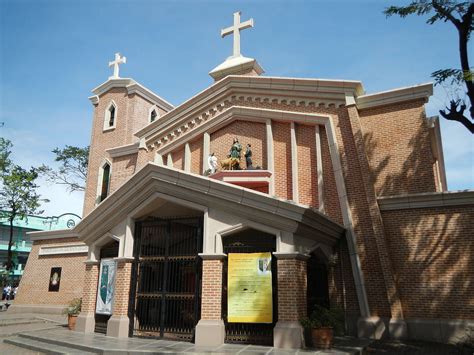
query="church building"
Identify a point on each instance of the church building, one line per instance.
(225, 219)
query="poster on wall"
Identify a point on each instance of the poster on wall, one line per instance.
(106, 287)
(249, 288)
(54, 279)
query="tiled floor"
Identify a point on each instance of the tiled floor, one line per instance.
(107, 345)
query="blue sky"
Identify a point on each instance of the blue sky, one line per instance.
(52, 53)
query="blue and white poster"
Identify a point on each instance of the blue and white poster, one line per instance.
(106, 287)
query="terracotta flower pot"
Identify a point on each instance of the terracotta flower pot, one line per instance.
(71, 322)
(323, 338)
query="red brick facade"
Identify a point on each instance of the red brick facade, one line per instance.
(211, 302)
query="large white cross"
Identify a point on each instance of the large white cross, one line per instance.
(235, 29)
(118, 60)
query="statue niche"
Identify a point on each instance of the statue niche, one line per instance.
(233, 158)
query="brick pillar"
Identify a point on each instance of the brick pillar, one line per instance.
(292, 270)
(210, 330)
(86, 320)
(118, 324)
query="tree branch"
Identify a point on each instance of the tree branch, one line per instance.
(454, 115)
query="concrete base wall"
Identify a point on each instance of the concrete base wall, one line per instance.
(36, 308)
(288, 335)
(118, 326)
(436, 330)
(210, 332)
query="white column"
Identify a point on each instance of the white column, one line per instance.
(206, 147)
(319, 170)
(294, 163)
(270, 159)
(169, 161)
(187, 158)
(158, 159)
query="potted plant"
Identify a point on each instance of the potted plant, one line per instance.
(322, 324)
(72, 311)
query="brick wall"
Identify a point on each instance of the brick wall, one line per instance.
(178, 159)
(282, 160)
(291, 289)
(122, 168)
(399, 149)
(211, 289)
(307, 172)
(122, 289)
(89, 295)
(432, 251)
(34, 284)
(196, 156)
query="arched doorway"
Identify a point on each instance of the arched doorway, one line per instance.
(317, 281)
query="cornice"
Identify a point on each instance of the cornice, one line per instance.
(56, 234)
(421, 91)
(292, 91)
(169, 138)
(426, 200)
(123, 150)
(132, 88)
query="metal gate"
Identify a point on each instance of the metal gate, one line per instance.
(166, 278)
(250, 333)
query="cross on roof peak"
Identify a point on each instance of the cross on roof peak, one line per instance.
(115, 63)
(235, 30)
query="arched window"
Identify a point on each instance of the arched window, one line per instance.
(153, 116)
(153, 113)
(104, 180)
(110, 117)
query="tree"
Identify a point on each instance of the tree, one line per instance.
(73, 169)
(5, 162)
(19, 198)
(460, 14)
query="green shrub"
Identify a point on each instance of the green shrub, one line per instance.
(322, 317)
(74, 307)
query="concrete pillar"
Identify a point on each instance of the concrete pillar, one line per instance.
(270, 156)
(86, 319)
(169, 160)
(319, 170)
(158, 159)
(206, 150)
(210, 331)
(294, 163)
(292, 284)
(118, 324)
(187, 158)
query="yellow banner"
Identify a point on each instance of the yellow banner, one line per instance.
(249, 288)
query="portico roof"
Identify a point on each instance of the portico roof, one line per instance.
(166, 182)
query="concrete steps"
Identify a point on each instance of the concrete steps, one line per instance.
(42, 347)
(50, 345)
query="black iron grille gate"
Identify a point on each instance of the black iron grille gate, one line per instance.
(250, 333)
(166, 286)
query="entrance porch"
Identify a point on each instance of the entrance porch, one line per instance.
(175, 232)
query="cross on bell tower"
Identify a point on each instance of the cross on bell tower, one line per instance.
(118, 60)
(235, 30)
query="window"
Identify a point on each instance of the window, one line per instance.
(105, 182)
(153, 114)
(110, 117)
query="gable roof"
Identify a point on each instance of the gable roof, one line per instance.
(154, 179)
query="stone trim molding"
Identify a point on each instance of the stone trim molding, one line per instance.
(132, 88)
(56, 234)
(294, 163)
(307, 92)
(124, 259)
(319, 170)
(92, 262)
(426, 200)
(218, 256)
(294, 255)
(176, 184)
(63, 249)
(94, 99)
(437, 148)
(123, 150)
(421, 91)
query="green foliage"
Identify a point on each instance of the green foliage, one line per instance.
(5, 162)
(323, 317)
(73, 308)
(457, 76)
(18, 198)
(72, 171)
